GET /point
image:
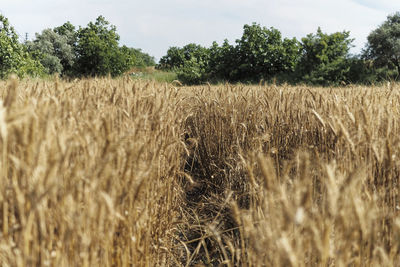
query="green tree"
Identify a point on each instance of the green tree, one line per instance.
(223, 61)
(98, 52)
(139, 58)
(55, 52)
(324, 58)
(190, 62)
(174, 59)
(68, 30)
(263, 54)
(14, 58)
(177, 57)
(361, 71)
(383, 45)
(195, 68)
(134, 57)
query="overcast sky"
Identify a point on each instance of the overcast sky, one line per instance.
(155, 25)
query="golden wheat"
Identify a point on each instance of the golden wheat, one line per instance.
(102, 172)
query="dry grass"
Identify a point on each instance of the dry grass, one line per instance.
(108, 172)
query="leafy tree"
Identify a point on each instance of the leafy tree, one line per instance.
(141, 59)
(361, 71)
(194, 71)
(174, 59)
(136, 58)
(69, 31)
(55, 52)
(190, 62)
(383, 45)
(98, 52)
(195, 67)
(324, 58)
(177, 57)
(223, 61)
(14, 58)
(262, 54)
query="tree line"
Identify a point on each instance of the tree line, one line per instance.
(88, 51)
(261, 54)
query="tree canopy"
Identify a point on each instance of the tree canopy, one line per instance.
(324, 57)
(93, 50)
(261, 53)
(54, 51)
(14, 58)
(98, 52)
(384, 44)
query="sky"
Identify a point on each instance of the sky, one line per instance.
(156, 25)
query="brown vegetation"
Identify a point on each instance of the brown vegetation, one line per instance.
(105, 172)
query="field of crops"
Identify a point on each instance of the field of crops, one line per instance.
(121, 172)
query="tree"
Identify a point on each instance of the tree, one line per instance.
(141, 59)
(262, 54)
(174, 59)
(190, 62)
(69, 31)
(383, 45)
(98, 52)
(223, 61)
(324, 58)
(54, 50)
(195, 67)
(14, 58)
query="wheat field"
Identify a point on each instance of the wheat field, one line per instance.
(121, 172)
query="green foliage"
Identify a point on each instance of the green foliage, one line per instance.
(14, 58)
(193, 72)
(190, 62)
(142, 59)
(90, 51)
(174, 59)
(195, 68)
(137, 58)
(262, 54)
(98, 53)
(361, 71)
(324, 58)
(223, 61)
(69, 32)
(54, 50)
(384, 46)
(177, 58)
